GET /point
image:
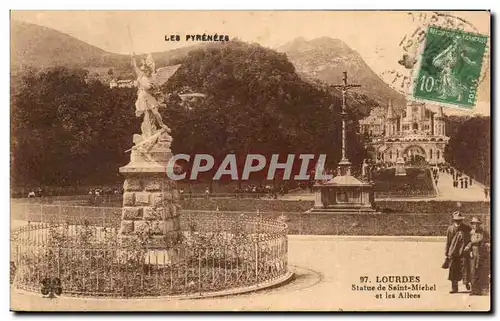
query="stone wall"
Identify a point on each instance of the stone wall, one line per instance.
(151, 204)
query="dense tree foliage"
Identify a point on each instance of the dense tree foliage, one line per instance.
(453, 123)
(469, 149)
(256, 103)
(68, 129)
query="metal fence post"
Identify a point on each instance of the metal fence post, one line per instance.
(414, 221)
(257, 261)
(199, 271)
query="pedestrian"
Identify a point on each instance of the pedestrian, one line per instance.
(479, 251)
(470, 180)
(465, 183)
(457, 237)
(461, 183)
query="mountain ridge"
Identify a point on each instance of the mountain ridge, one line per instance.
(326, 58)
(321, 59)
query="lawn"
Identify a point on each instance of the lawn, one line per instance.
(416, 183)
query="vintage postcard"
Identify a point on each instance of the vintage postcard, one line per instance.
(250, 161)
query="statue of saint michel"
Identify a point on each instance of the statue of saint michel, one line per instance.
(149, 99)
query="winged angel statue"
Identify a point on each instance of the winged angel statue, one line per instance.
(149, 99)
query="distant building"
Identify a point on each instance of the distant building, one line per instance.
(373, 124)
(416, 133)
(122, 83)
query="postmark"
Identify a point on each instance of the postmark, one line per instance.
(450, 67)
(403, 75)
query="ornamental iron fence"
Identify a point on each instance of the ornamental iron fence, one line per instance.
(85, 255)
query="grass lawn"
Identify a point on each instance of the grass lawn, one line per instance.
(416, 183)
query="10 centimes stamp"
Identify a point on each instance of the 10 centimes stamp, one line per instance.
(450, 67)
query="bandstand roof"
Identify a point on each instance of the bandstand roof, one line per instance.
(344, 181)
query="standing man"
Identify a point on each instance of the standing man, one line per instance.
(457, 237)
(479, 249)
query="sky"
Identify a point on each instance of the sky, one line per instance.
(375, 35)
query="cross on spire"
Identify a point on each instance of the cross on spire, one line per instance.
(344, 162)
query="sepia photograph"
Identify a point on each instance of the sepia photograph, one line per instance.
(250, 160)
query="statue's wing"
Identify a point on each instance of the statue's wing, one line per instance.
(163, 74)
(150, 62)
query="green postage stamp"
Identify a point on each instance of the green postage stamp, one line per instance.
(450, 67)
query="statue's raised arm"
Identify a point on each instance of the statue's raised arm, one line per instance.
(137, 71)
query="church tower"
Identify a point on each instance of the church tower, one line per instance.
(439, 126)
(390, 121)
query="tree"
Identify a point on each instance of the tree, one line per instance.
(255, 103)
(66, 129)
(469, 150)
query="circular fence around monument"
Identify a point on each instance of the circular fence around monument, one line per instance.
(85, 256)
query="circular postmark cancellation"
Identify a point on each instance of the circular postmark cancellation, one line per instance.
(403, 76)
(450, 67)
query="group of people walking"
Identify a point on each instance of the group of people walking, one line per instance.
(464, 182)
(468, 255)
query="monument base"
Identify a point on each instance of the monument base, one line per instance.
(151, 202)
(344, 194)
(342, 210)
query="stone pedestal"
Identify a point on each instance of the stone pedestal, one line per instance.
(344, 194)
(151, 201)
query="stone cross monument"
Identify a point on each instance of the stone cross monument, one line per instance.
(344, 193)
(344, 166)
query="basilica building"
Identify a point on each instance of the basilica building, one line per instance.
(415, 134)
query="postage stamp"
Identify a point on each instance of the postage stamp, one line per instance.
(450, 67)
(221, 162)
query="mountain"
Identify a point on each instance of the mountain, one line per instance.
(34, 46)
(325, 59)
(41, 47)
